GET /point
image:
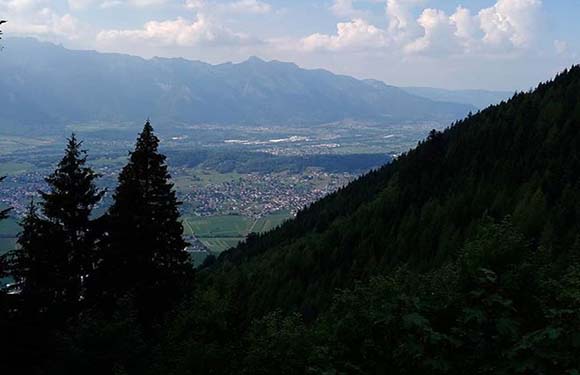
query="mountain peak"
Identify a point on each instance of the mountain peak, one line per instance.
(254, 60)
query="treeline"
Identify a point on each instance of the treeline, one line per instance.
(69, 266)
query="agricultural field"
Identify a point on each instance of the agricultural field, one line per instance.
(219, 233)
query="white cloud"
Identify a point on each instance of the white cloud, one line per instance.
(505, 27)
(400, 18)
(179, 32)
(247, 6)
(509, 22)
(438, 33)
(354, 35)
(85, 4)
(502, 29)
(34, 17)
(18, 6)
(239, 6)
(466, 26)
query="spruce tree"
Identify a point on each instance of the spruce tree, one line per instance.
(57, 250)
(145, 253)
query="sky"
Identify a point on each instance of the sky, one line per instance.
(468, 44)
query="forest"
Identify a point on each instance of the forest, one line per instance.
(462, 255)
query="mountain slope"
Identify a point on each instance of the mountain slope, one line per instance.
(520, 159)
(44, 84)
(478, 98)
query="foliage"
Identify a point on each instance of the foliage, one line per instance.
(143, 252)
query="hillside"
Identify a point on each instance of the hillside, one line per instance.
(478, 98)
(44, 87)
(461, 256)
(518, 159)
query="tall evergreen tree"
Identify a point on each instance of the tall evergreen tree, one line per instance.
(57, 250)
(144, 249)
(68, 206)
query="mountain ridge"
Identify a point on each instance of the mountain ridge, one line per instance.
(58, 86)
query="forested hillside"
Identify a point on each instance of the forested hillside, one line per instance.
(519, 159)
(461, 256)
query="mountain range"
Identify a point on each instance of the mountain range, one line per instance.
(45, 87)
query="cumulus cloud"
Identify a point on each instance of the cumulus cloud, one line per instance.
(35, 17)
(179, 32)
(509, 22)
(400, 18)
(506, 26)
(438, 33)
(353, 35)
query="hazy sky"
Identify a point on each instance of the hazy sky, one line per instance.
(493, 44)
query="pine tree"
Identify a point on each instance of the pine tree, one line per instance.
(144, 253)
(68, 206)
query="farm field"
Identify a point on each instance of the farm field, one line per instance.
(219, 233)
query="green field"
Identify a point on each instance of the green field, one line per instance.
(220, 233)
(217, 244)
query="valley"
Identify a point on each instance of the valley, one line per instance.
(233, 180)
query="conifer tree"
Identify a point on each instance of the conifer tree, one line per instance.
(144, 249)
(68, 206)
(57, 250)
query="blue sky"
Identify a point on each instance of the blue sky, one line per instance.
(491, 44)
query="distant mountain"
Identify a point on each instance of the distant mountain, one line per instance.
(477, 98)
(46, 86)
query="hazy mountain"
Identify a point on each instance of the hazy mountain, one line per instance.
(477, 98)
(43, 85)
